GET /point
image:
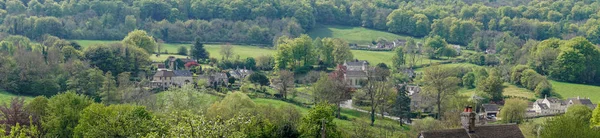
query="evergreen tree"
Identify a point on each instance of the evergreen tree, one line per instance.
(198, 51)
(108, 92)
(401, 106)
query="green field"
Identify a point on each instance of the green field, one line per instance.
(6, 97)
(568, 90)
(509, 90)
(453, 65)
(375, 57)
(357, 35)
(242, 50)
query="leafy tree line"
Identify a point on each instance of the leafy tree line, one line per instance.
(54, 65)
(184, 112)
(263, 21)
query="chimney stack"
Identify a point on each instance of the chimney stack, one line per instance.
(467, 118)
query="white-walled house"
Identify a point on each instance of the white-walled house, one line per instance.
(548, 106)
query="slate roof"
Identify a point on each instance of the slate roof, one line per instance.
(161, 66)
(448, 133)
(220, 76)
(554, 100)
(356, 74)
(164, 73)
(490, 107)
(543, 106)
(586, 102)
(356, 63)
(184, 73)
(580, 101)
(482, 131)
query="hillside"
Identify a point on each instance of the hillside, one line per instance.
(243, 50)
(568, 90)
(357, 35)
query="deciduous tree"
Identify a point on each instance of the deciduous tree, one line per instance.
(440, 83)
(140, 39)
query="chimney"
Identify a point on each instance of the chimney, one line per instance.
(467, 118)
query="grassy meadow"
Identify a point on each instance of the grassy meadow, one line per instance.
(6, 97)
(568, 90)
(245, 51)
(509, 90)
(357, 35)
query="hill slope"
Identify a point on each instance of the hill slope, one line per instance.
(568, 90)
(357, 35)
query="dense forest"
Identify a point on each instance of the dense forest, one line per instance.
(260, 22)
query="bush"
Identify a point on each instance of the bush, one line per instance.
(182, 51)
(469, 80)
(303, 70)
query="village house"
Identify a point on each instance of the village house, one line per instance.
(354, 78)
(356, 65)
(240, 74)
(165, 78)
(549, 106)
(457, 48)
(418, 103)
(471, 130)
(582, 101)
(490, 109)
(355, 71)
(217, 79)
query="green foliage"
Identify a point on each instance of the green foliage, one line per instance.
(581, 112)
(513, 111)
(319, 120)
(295, 53)
(435, 46)
(577, 62)
(37, 108)
(398, 59)
(523, 76)
(258, 78)
(440, 83)
(139, 38)
(182, 51)
(179, 99)
(425, 124)
(468, 81)
(108, 92)
(98, 120)
(401, 106)
(492, 85)
(595, 118)
(198, 51)
(567, 126)
(233, 104)
(117, 58)
(64, 111)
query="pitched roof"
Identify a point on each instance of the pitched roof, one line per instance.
(554, 100)
(482, 131)
(164, 73)
(357, 63)
(543, 106)
(182, 73)
(448, 133)
(356, 74)
(490, 107)
(580, 101)
(220, 76)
